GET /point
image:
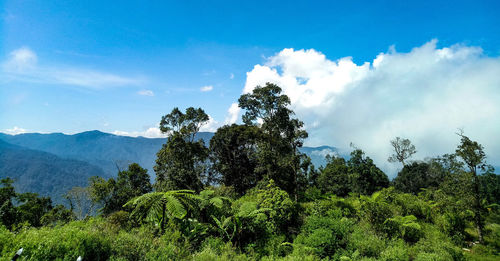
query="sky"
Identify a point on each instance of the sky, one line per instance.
(356, 71)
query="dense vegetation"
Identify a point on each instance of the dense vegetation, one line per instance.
(251, 194)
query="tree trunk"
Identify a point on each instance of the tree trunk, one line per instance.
(162, 225)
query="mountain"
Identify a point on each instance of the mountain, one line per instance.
(51, 164)
(109, 151)
(105, 150)
(42, 172)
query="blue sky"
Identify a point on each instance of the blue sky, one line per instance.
(72, 66)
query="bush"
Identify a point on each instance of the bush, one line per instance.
(406, 228)
(325, 235)
(365, 242)
(396, 251)
(61, 242)
(434, 244)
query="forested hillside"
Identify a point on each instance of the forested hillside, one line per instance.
(51, 164)
(251, 194)
(44, 173)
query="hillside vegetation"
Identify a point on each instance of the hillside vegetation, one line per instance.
(251, 194)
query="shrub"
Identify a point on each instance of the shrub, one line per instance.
(396, 251)
(406, 228)
(325, 235)
(365, 242)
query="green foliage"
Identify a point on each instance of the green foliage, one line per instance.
(8, 212)
(180, 162)
(271, 205)
(60, 242)
(365, 242)
(334, 178)
(366, 177)
(417, 175)
(396, 251)
(405, 227)
(325, 235)
(233, 153)
(282, 135)
(158, 207)
(113, 194)
(357, 175)
(57, 215)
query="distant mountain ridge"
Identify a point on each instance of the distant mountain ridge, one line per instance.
(110, 151)
(33, 158)
(44, 173)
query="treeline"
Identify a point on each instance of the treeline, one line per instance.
(250, 194)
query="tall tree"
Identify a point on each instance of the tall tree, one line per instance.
(334, 177)
(32, 208)
(365, 176)
(233, 153)
(403, 150)
(180, 163)
(282, 135)
(8, 212)
(81, 201)
(113, 194)
(472, 154)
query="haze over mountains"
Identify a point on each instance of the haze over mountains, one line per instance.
(51, 164)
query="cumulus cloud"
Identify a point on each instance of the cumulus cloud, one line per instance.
(424, 95)
(211, 125)
(153, 132)
(14, 131)
(206, 88)
(232, 114)
(22, 66)
(146, 93)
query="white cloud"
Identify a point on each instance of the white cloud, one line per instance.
(325, 152)
(14, 131)
(424, 95)
(206, 88)
(146, 93)
(22, 66)
(232, 114)
(211, 125)
(153, 132)
(20, 60)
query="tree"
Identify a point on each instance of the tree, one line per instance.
(417, 175)
(359, 175)
(8, 213)
(334, 177)
(80, 202)
(113, 194)
(158, 207)
(233, 153)
(365, 176)
(187, 124)
(403, 150)
(282, 135)
(180, 162)
(472, 154)
(32, 208)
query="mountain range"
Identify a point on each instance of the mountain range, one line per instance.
(51, 164)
